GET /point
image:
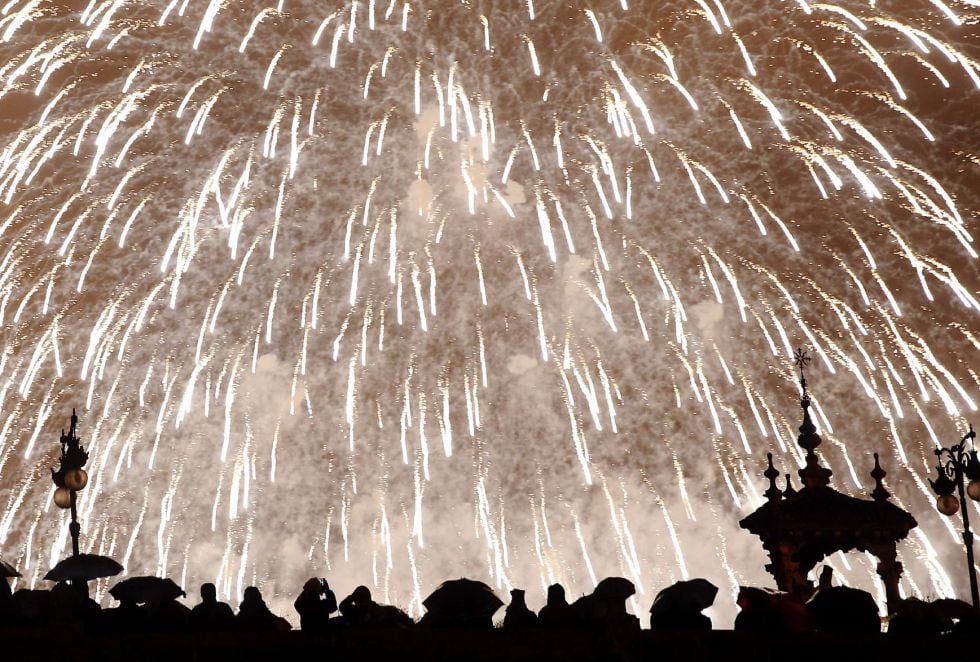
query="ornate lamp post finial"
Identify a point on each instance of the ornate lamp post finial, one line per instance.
(70, 477)
(955, 465)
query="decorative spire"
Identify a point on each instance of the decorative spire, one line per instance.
(790, 490)
(879, 493)
(801, 360)
(812, 475)
(773, 493)
(73, 454)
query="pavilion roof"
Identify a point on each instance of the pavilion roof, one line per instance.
(818, 518)
(822, 513)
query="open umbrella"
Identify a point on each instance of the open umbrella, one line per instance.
(464, 596)
(84, 567)
(7, 570)
(688, 596)
(146, 589)
(614, 588)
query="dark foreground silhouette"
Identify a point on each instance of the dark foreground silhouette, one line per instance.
(151, 623)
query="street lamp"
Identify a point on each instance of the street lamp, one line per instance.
(956, 462)
(70, 477)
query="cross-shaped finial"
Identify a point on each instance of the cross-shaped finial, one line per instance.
(801, 359)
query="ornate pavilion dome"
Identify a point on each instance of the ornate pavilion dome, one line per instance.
(799, 528)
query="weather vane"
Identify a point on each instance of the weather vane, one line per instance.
(801, 359)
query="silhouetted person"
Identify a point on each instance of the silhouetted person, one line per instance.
(917, 618)
(7, 611)
(358, 609)
(69, 606)
(678, 607)
(211, 615)
(255, 616)
(315, 604)
(967, 620)
(605, 607)
(765, 611)
(556, 613)
(31, 607)
(682, 620)
(517, 616)
(826, 578)
(390, 616)
(168, 615)
(843, 609)
(127, 618)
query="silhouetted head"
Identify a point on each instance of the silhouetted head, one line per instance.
(361, 594)
(556, 594)
(209, 593)
(252, 596)
(517, 596)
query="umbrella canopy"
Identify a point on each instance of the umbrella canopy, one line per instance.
(693, 595)
(146, 589)
(463, 596)
(614, 588)
(7, 570)
(85, 567)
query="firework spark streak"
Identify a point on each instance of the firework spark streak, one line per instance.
(393, 290)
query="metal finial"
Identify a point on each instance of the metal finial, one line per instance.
(773, 493)
(879, 493)
(790, 490)
(801, 359)
(812, 475)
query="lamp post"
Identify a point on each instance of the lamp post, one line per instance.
(956, 462)
(70, 477)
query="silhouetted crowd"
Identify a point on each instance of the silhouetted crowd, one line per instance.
(151, 605)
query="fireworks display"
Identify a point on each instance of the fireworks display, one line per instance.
(392, 291)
